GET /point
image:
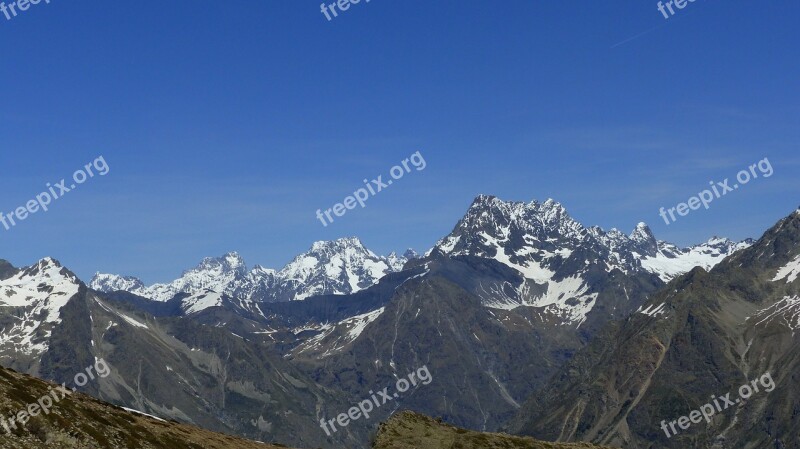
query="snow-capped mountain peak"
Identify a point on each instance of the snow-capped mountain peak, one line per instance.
(642, 234)
(557, 256)
(113, 282)
(38, 292)
(38, 282)
(328, 267)
(519, 223)
(396, 262)
(340, 266)
(217, 266)
(671, 261)
(212, 273)
(344, 250)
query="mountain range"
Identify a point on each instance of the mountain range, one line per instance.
(498, 310)
(535, 239)
(705, 335)
(340, 267)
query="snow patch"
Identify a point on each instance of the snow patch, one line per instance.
(137, 412)
(653, 310)
(350, 330)
(786, 310)
(201, 301)
(789, 272)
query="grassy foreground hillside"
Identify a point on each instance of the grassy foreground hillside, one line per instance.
(80, 422)
(409, 430)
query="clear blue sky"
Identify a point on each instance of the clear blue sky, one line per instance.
(226, 125)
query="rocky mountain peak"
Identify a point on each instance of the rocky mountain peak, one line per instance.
(48, 269)
(231, 262)
(38, 292)
(49, 262)
(336, 267)
(112, 282)
(554, 211)
(506, 220)
(525, 236)
(329, 267)
(642, 233)
(643, 241)
(483, 201)
(258, 269)
(410, 254)
(328, 247)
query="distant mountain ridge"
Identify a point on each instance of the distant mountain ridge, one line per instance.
(539, 240)
(342, 266)
(495, 308)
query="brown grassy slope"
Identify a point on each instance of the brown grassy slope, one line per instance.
(409, 430)
(81, 422)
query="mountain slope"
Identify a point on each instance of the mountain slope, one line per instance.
(179, 368)
(77, 421)
(494, 310)
(485, 361)
(407, 430)
(703, 336)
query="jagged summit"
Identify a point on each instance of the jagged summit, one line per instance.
(642, 233)
(47, 266)
(332, 245)
(38, 292)
(230, 262)
(501, 218)
(113, 282)
(540, 240)
(340, 266)
(410, 254)
(525, 236)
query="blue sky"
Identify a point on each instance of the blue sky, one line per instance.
(226, 125)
